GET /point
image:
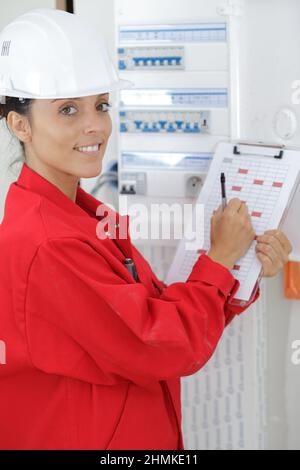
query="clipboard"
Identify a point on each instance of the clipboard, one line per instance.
(266, 177)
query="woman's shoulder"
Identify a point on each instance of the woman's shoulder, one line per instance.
(30, 219)
(33, 226)
(22, 219)
(25, 226)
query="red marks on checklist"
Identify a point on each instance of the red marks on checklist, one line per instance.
(276, 184)
(236, 188)
(258, 182)
(236, 267)
(256, 214)
(243, 171)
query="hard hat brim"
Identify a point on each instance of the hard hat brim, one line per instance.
(117, 86)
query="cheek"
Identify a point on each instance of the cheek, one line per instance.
(54, 133)
(63, 136)
(109, 126)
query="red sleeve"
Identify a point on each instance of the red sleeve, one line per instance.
(209, 272)
(86, 322)
(207, 264)
(232, 310)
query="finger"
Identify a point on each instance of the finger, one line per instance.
(234, 205)
(217, 213)
(244, 213)
(214, 221)
(268, 251)
(218, 209)
(275, 244)
(282, 239)
(267, 266)
(243, 209)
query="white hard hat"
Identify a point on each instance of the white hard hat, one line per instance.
(48, 53)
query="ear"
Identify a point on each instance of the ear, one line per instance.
(20, 126)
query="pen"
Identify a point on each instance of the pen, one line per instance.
(130, 266)
(223, 190)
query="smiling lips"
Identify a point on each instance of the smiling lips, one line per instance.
(89, 149)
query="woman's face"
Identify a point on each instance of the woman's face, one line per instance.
(58, 128)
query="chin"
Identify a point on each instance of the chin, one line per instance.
(91, 171)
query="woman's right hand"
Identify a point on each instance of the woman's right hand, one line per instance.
(231, 233)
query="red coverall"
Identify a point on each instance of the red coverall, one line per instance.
(93, 358)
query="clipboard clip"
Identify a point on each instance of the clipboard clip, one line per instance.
(279, 156)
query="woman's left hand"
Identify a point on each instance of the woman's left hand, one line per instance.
(273, 249)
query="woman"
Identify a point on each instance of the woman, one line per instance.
(93, 356)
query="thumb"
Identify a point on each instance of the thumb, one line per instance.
(217, 212)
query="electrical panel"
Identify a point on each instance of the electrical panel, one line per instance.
(178, 107)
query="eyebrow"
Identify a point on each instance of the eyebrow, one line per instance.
(76, 99)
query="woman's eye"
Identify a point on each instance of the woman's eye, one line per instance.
(67, 107)
(105, 107)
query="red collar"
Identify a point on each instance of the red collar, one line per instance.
(30, 179)
(84, 206)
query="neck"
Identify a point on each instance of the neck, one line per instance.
(66, 183)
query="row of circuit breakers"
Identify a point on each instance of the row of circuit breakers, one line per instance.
(166, 111)
(170, 59)
(169, 111)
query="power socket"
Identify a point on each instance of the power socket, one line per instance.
(193, 185)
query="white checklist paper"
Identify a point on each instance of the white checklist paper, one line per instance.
(267, 184)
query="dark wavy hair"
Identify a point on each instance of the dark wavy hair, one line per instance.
(22, 107)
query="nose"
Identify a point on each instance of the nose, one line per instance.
(96, 122)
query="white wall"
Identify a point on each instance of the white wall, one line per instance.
(9, 10)
(271, 62)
